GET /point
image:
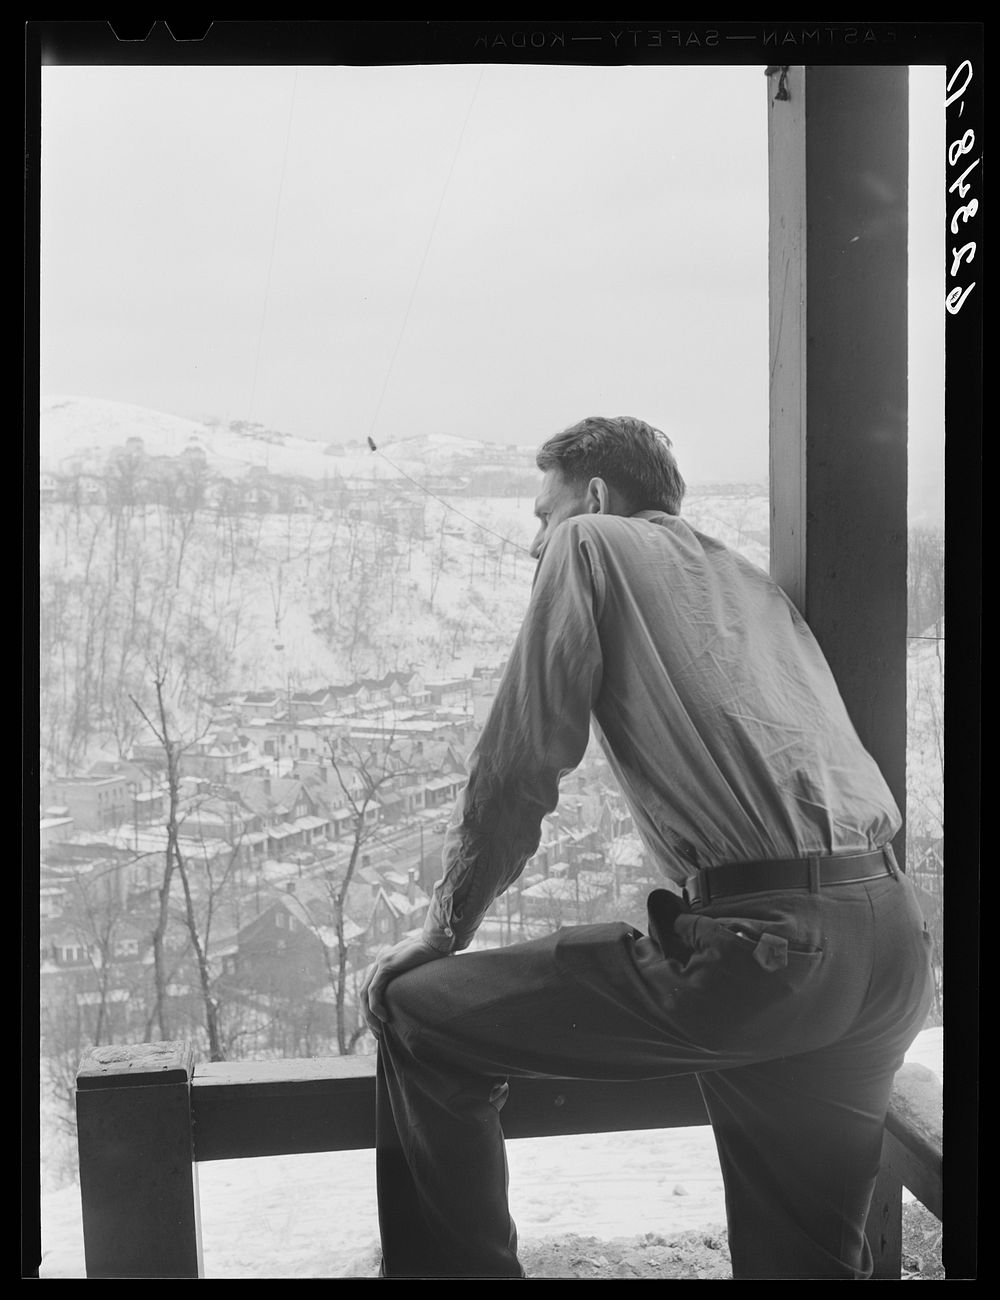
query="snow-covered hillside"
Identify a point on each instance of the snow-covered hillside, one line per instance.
(324, 569)
(87, 429)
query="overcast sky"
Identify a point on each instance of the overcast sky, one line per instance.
(485, 251)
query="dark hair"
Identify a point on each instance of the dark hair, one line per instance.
(628, 454)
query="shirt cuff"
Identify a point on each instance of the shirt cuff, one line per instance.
(441, 939)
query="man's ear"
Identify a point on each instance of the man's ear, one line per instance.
(598, 497)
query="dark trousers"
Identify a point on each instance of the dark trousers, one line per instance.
(794, 1009)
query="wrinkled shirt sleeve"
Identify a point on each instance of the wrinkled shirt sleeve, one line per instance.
(537, 730)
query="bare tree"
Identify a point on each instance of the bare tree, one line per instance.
(96, 913)
(362, 776)
(175, 861)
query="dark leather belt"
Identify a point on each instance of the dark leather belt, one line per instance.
(790, 873)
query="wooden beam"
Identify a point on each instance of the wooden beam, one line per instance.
(261, 1108)
(146, 1115)
(838, 175)
(138, 1186)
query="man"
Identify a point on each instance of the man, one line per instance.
(792, 975)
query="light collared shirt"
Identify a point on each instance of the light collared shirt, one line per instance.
(708, 693)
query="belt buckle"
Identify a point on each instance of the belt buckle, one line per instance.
(814, 875)
(701, 891)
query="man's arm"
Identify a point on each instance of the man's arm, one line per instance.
(537, 730)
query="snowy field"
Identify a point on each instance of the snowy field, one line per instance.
(315, 1216)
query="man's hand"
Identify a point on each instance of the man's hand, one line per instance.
(394, 961)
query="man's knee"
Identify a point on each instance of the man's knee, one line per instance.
(410, 997)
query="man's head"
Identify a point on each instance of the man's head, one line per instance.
(605, 466)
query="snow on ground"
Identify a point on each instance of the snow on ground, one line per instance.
(315, 1215)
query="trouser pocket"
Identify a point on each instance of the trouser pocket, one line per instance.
(734, 982)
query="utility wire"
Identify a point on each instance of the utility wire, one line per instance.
(427, 247)
(447, 504)
(402, 330)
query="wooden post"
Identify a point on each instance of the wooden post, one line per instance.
(137, 1176)
(884, 1228)
(838, 175)
(911, 1157)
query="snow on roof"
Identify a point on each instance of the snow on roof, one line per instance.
(599, 879)
(626, 851)
(328, 934)
(47, 823)
(401, 905)
(568, 891)
(443, 782)
(278, 871)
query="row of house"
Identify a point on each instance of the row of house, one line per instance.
(258, 815)
(400, 689)
(398, 719)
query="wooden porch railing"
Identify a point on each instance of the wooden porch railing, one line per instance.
(147, 1115)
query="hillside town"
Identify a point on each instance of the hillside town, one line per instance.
(312, 823)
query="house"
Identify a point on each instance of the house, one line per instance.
(308, 704)
(559, 900)
(52, 899)
(290, 815)
(260, 704)
(273, 737)
(132, 771)
(210, 817)
(215, 755)
(343, 699)
(279, 951)
(413, 797)
(451, 693)
(383, 689)
(94, 801)
(442, 791)
(486, 680)
(54, 825)
(408, 685)
(392, 806)
(400, 906)
(285, 954)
